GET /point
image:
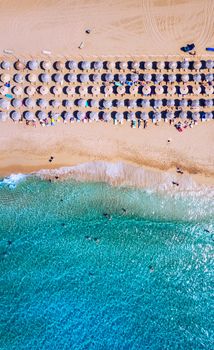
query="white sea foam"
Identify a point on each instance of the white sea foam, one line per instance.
(12, 180)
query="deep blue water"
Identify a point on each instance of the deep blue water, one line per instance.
(73, 279)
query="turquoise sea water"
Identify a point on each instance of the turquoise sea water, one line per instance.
(72, 278)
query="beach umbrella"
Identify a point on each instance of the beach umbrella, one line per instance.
(85, 65)
(42, 115)
(119, 117)
(67, 116)
(185, 64)
(19, 65)
(84, 78)
(158, 103)
(55, 103)
(109, 77)
(110, 65)
(16, 116)
(68, 103)
(43, 90)
(209, 90)
(82, 103)
(148, 65)
(106, 116)
(96, 78)
(209, 64)
(55, 116)
(29, 116)
(160, 65)
(94, 103)
(80, 115)
(58, 65)
(45, 78)
(196, 90)
(57, 90)
(83, 90)
(70, 90)
(134, 78)
(171, 89)
(195, 103)
(42, 103)
(95, 90)
(18, 78)
(209, 103)
(32, 78)
(32, 65)
(108, 90)
(58, 78)
(132, 103)
(183, 115)
(4, 90)
(156, 116)
(159, 90)
(184, 90)
(185, 78)
(30, 90)
(145, 103)
(195, 116)
(170, 115)
(72, 65)
(107, 104)
(29, 103)
(197, 65)
(172, 78)
(119, 103)
(209, 77)
(183, 103)
(94, 116)
(172, 65)
(135, 65)
(46, 65)
(17, 90)
(3, 116)
(123, 65)
(122, 78)
(197, 78)
(121, 90)
(209, 115)
(147, 77)
(144, 116)
(98, 65)
(5, 65)
(159, 78)
(72, 78)
(133, 89)
(5, 77)
(170, 103)
(131, 116)
(146, 90)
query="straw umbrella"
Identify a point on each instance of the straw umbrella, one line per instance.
(70, 90)
(159, 78)
(159, 90)
(82, 103)
(94, 103)
(58, 78)
(3, 116)
(5, 77)
(196, 90)
(46, 65)
(195, 103)
(170, 103)
(183, 103)
(32, 65)
(183, 115)
(197, 65)
(96, 78)
(16, 116)
(67, 116)
(158, 103)
(32, 78)
(123, 65)
(122, 78)
(135, 65)
(172, 78)
(107, 104)
(171, 89)
(197, 78)
(134, 78)
(209, 64)
(18, 78)
(29, 103)
(95, 90)
(110, 65)
(119, 103)
(145, 103)
(83, 90)
(42, 103)
(119, 117)
(160, 65)
(72, 78)
(108, 90)
(133, 90)
(43, 90)
(146, 90)
(209, 77)
(80, 115)
(94, 116)
(68, 103)
(172, 65)
(184, 90)
(209, 90)
(131, 116)
(85, 65)
(84, 78)
(30, 90)
(195, 116)
(147, 77)
(109, 77)
(148, 65)
(132, 103)
(17, 90)
(185, 64)
(19, 65)
(4, 104)
(42, 115)
(185, 78)
(58, 65)
(55, 103)
(121, 90)
(98, 65)
(209, 103)
(6, 65)
(57, 90)
(45, 78)
(72, 65)
(29, 116)
(4, 90)
(106, 116)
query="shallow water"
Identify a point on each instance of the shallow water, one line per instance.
(73, 279)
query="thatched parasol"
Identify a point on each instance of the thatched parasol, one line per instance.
(145, 103)
(16, 103)
(185, 78)
(33, 65)
(159, 78)
(183, 115)
(110, 65)
(72, 65)
(18, 78)
(109, 77)
(83, 90)
(209, 77)
(122, 78)
(43, 90)
(84, 78)
(82, 103)
(195, 103)
(94, 116)
(95, 90)
(159, 90)
(108, 90)
(5, 77)
(29, 116)
(46, 65)
(119, 117)
(170, 103)
(4, 90)
(171, 89)
(55, 103)
(32, 78)
(17, 90)
(30, 103)
(123, 65)
(209, 64)
(58, 78)
(209, 90)
(6, 65)
(70, 90)
(195, 116)
(184, 90)
(119, 103)
(98, 65)
(107, 104)
(147, 77)
(135, 65)
(30, 90)
(42, 115)
(80, 115)
(133, 90)
(121, 90)
(172, 65)
(96, 78)
(57, 90)
(197, 78)
(185, 64)
(197, 65)
(158, 103)
(172, 78)
(196, 90)
(146, 90)
(209, 103)
(183, 103)
(85, 65)
(132, 103)
(94, 103)
(42, 103)
(148, 65)
(45, 78)
(16, 116)
(134, 78)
